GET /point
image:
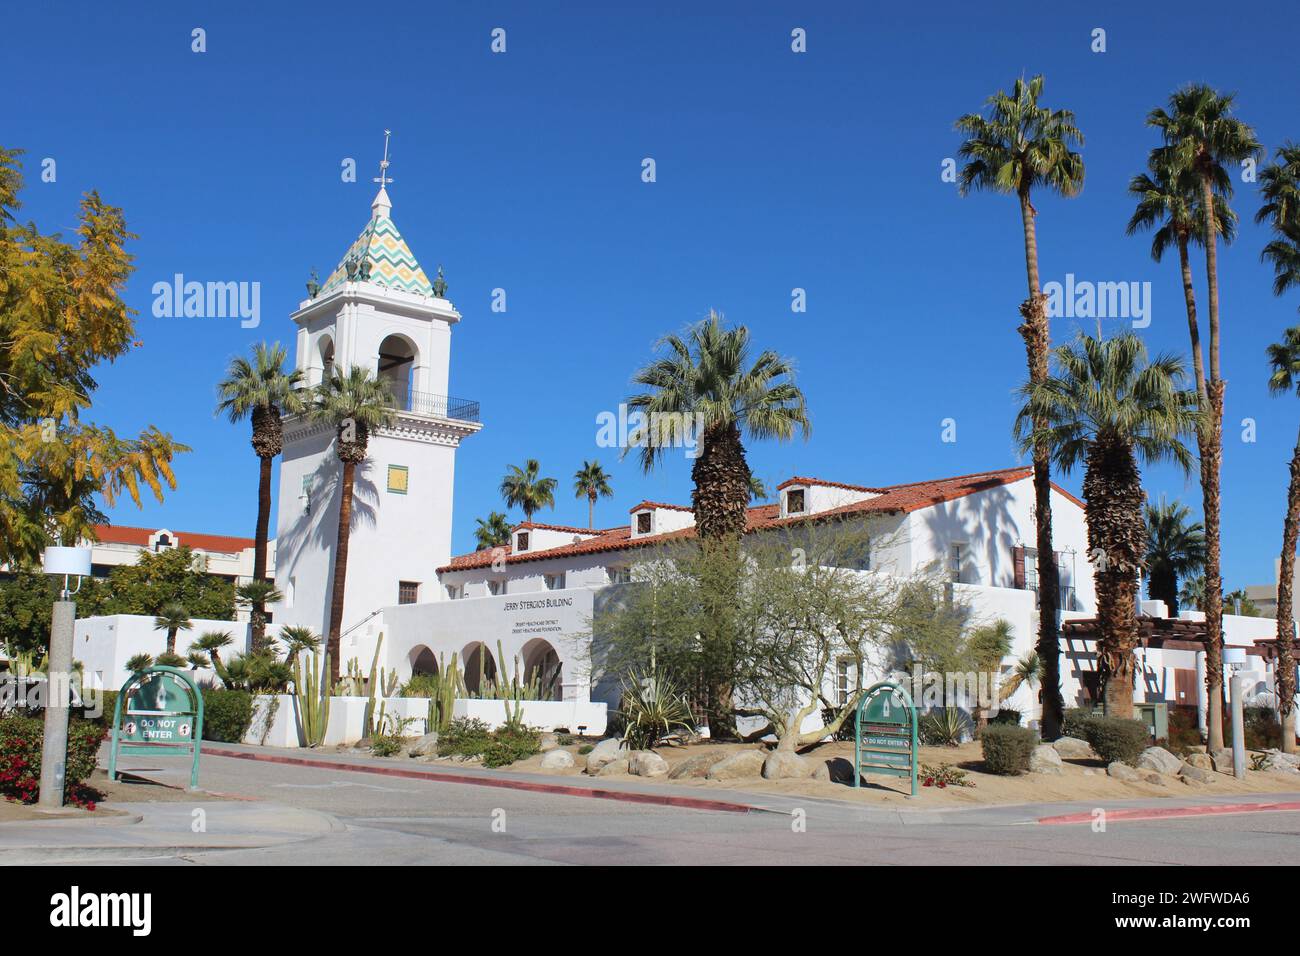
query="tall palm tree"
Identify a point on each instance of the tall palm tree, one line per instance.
(1192, 593)
(1284, 356)
(262, 390)
(211, 643)
(256, 595)
(1170, 202)
(757, 490)
(1203, 137)
(1107, 406)
(492, 531)
(1020, 146)
(1175, 549)
(172, 618)
(355, 403)
(591, 481)
(522, 487)
(705, 378)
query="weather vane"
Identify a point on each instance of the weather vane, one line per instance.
(382, 179)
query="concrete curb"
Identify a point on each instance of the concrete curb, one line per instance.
(1161, 813)
(503, 782)
(53, 822)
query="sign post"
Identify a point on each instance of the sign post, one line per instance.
(884, 733)
(159, 713)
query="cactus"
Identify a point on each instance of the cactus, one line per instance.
(374, 718)
(310, 692)
(450, 685)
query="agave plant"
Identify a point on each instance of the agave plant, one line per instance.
(652, 709)
(944, 727)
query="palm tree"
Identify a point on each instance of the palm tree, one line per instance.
(1018, 147)
(1203, 137)
(298, 640)
(172, 618)
(139, 662)
(197, 660)
(1170, 202)
(523, 488)
(1192, 593)
(591, 481)
(354, 403)
(706, 378)
(1285, 359)
(263, 391)
(757, 490)
(256, 595)
(211, 643)
(986, 647)
(492, 531)
(1175, 548)
(1027, 673)
(1108, 406)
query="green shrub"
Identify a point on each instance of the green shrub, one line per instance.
(470, 737)
(1116, 738)
(227, 715)
(1263, 729)
(466, 737)
(509, 745)
(585, 749)
(1184, 733)
(1006, 716)
(108, 699)
(1007, 748)
(20, 759)
(1075, 722)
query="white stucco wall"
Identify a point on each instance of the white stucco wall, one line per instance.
(105, 644)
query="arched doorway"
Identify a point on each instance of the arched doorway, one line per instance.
(326, 347)
(422, 660)
(480, 666)
(542, 662)
(397, 361)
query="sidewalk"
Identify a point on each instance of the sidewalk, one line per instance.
(161, 830)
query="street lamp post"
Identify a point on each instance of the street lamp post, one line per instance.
(69, 562)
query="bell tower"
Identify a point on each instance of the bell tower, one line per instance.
(379, 310)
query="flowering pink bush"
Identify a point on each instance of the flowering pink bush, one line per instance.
(20, 759)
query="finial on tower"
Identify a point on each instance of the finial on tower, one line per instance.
(381, 206)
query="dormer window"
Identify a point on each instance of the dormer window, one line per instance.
(521, 541)
(163, 543)
(643, 523)
(794, 501)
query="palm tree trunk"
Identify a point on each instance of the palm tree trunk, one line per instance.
(260, 547)
(1193, 328)
(171, 640)
(1036, 332)
(1211, 458)
(340, 567)
(1286, 683)
(1112, 490)
(591, 510)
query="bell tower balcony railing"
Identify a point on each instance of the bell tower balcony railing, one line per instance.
(438, 406)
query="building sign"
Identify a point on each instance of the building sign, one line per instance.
(159, 713)
(548, 618)
(884, 733)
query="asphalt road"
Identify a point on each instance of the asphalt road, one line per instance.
(396, 821)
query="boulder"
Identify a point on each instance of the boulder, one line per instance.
(786, 765)
(693, 767)
(1122, 771)
(1044, 759)
(557, 760)
(611, 748)
(646, 763)
(548, 742)
(834, 770)
(1222, 760)
(1072, 748)
(1199, 760)
(1158, 759)
(426, 746)
(738, 766)
(1191, 773)
(615, 768)
(1279, 758)
(1151, 776)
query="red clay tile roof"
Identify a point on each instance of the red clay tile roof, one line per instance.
(891, 498)
(124, 534)
(827, 484)
(658, 504)
(525, 525)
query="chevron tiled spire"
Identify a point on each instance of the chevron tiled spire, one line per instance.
(380, 255)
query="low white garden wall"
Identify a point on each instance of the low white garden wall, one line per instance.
(276, 724)
(590, 716)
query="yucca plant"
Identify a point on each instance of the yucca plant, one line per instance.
(652, 708)
(944, 727)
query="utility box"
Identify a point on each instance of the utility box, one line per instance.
(1156, 717)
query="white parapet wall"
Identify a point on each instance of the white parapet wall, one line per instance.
(276, 723)
(585, 717)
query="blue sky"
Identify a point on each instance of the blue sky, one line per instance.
(522, 171)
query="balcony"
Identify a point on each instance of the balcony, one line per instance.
(438, 406)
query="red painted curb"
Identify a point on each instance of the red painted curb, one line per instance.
(628, 796)
(1157, 813)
